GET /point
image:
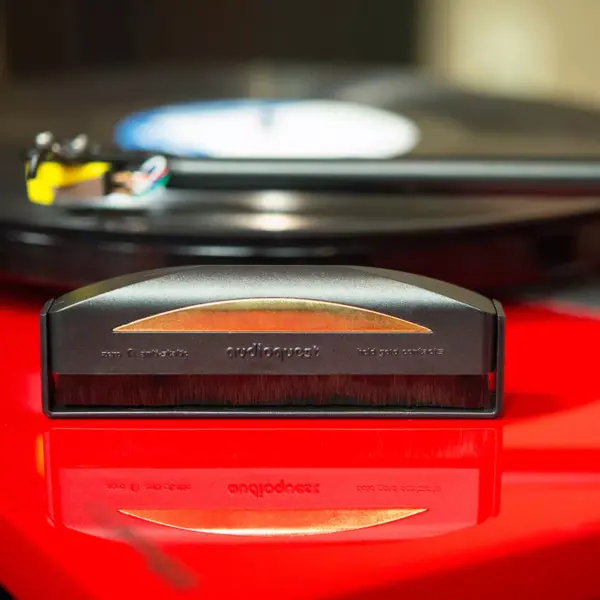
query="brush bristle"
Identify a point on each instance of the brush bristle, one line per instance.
(271, 391)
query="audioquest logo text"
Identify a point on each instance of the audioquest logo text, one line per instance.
(259, 490)
(281, 353)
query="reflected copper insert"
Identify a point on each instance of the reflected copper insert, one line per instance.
(273, 522)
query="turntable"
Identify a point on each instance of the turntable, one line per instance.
(303, 165)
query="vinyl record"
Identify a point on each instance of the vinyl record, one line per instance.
(323, 113)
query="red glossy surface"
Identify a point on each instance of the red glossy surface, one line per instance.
(511, 508)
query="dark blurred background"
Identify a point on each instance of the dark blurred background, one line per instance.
(75, 35)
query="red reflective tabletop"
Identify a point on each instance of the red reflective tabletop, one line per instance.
(310, 509)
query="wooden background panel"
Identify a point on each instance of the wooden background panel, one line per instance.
(538, 48)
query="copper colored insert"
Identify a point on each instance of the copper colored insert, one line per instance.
(272, 314)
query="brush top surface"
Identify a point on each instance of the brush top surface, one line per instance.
(355, 286)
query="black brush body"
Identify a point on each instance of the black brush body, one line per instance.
(273, 341)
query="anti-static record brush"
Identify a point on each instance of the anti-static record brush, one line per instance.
(273, 341)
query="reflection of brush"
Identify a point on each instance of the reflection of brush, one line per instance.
(270, 341)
